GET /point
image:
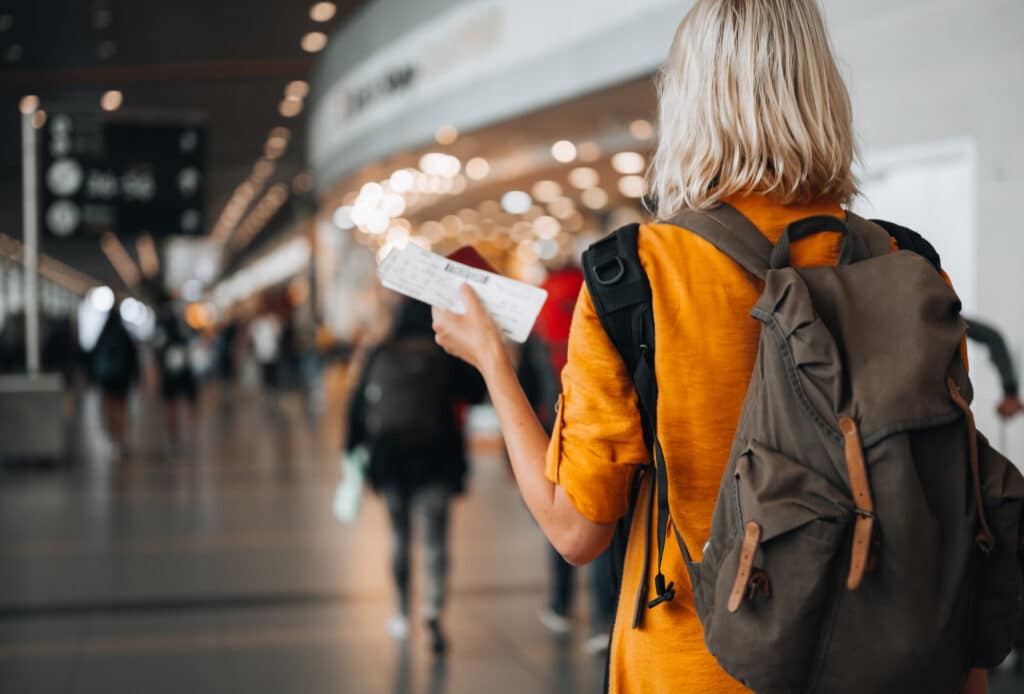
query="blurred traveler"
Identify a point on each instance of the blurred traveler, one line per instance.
(540, 366)
(404, 410)
(114, 366)
(266, 348)
(226, 352)
(987, 335)
(12, 344)
(178, 385)
(60, 351)
(753, 114)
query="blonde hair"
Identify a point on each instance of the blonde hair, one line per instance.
(751, 101)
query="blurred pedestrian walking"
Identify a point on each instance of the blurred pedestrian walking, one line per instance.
(405, 409)
(114, 366)
(178, 385)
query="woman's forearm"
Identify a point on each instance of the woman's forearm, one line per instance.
(474, 338)
(525, 438)
(578, 539)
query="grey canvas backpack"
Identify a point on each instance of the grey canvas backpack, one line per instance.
(866, 538)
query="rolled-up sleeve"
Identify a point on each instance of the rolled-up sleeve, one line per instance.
(597, 441)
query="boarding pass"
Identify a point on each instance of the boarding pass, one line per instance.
(435, 280)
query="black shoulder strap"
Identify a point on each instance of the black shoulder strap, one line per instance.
(910, 240)
(621, 292)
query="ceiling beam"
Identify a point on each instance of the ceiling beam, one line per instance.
(183, 72)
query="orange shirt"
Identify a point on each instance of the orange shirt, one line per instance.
(706, 343)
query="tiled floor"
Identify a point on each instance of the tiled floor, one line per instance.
(220, 568)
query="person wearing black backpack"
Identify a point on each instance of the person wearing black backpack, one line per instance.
(114, 366)
(406, 410)
(774, 397)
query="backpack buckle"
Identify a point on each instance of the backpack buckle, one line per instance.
(617, 274)
(665, 593)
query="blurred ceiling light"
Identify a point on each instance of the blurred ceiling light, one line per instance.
(371, 193)
(28, 104)
(106, 50)
(393, 205)
(275, 147)
(477, 168)
(262, 169)
(459, 184)
(546, 249)
(342, 217)
(632, 186)
(377, 222)
(397, 236)
(432, 230)
(516, 202)
(111, 100)
(39, 119)
(102, 17)
(595, 198)
(289, 107)
(641, 129)
(438, 164)
(446, 135)
(278, 193)
(281, 131)
(563, 151)
(120, 259)
(149, 259)
(401, 181)
(322, 11)
(132, 310)
(14, 53)
(628, 163)
(589, 151)
(296, 89)
(562, 207)
(302, 183)
(584, 177)
(546, 191)
(546, 227)
(101, 298)
(6, 21)
(314, 41)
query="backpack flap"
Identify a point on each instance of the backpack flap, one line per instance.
(997, 589)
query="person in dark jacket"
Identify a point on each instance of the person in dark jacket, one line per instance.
(999, 355)
(405, 410)
(114, 363)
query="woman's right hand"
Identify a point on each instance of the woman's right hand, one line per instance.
(473, 336)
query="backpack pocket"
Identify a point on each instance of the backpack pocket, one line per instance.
(997, 589)
(768, 602)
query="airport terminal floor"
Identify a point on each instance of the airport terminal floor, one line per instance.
(217, 566)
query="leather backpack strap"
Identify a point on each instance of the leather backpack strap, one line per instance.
(731, 233)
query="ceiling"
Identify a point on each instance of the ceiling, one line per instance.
(224, 61)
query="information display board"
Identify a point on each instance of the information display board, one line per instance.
(99, 175)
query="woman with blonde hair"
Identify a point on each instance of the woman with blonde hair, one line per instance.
(753, 114)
